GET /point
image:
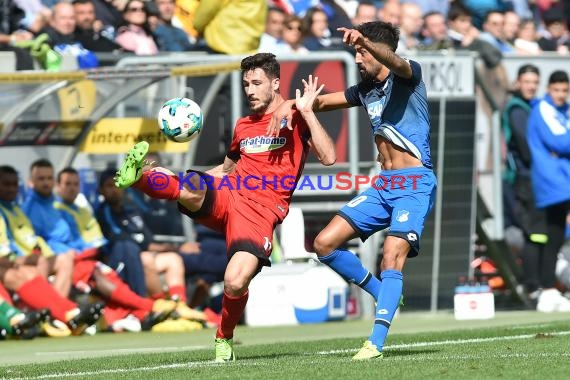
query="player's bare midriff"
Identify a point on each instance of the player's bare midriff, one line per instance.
(392, 157)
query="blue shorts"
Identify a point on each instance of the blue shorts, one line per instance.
(399, 200)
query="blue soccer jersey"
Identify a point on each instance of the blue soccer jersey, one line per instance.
(398, 111)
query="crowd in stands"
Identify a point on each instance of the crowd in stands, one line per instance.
(66, 269)
(34, 29)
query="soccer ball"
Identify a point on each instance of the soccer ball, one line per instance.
(180, 119)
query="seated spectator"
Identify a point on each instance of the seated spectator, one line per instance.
(292, 34)
(22, 262)
(26, 242)
(410, 26)
(61, 32)
(316, 33)
(84, 237)
(434, 32)
(168, 36)
(272, 39)
(121, 222)
(366, 11)
(463, 35)
(526, 42)
(390, 12)
(135, 34)
(494, 33)
(11, 32)
(85, 32)
(555, 37)
(512, 26)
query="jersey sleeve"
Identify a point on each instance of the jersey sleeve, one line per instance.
(234, 150)
(416, 74)
(351, 95)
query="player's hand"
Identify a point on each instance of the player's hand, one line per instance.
(281, 117)
(305, 102)
(351, 37)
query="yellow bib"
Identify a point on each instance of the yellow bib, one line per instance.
(23, 233)
(86, 223)
(5, 250)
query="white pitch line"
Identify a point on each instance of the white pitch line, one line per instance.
(137, 369)
(124, 350)
(449, 342)
(395, 346)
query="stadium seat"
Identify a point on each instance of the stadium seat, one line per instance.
(89, 186)
(293, 237)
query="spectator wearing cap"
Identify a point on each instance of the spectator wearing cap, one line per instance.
(555, 37)
(135, 35)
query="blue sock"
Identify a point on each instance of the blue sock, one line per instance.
(349, 267)
(389, 299)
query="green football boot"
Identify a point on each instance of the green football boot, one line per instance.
(224, 350)
(132, 168)
(368, 351)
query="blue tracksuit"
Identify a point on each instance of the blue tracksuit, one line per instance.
(548, 138)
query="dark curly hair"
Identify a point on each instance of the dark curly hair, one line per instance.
(265, 61)
(380, 31)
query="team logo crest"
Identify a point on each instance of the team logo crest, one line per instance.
(403, 216)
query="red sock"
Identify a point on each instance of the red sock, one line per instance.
(39, 294)
(125, 297)
(232, 311)
(159, 185)
(4, 295)
(178, 293)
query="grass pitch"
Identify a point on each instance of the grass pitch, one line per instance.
(514, 345)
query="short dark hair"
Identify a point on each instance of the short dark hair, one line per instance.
(486, 17)
(380, 31)
(7, 169)
(66, 170)
(528, 68)
(558, 76)
(264, 61)
(457, 10)
(82, 2)
(41, 163)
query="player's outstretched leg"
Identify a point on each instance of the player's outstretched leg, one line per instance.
(132, 168)
(158, 183)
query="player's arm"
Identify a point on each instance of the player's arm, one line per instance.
(380, 51)
(224, 169)
(321, 142)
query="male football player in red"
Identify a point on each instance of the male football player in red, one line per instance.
(249, 194)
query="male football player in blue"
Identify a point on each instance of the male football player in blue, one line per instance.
(394, 96)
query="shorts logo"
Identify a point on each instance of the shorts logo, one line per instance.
(412, 236)
(403, 216)
(267, 244)
(382, 312)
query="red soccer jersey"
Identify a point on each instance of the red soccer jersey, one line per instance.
(268, 167)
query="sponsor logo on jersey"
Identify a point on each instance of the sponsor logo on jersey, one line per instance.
(259, 144)
(375, 109)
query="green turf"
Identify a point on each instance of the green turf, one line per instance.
(515, 345)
